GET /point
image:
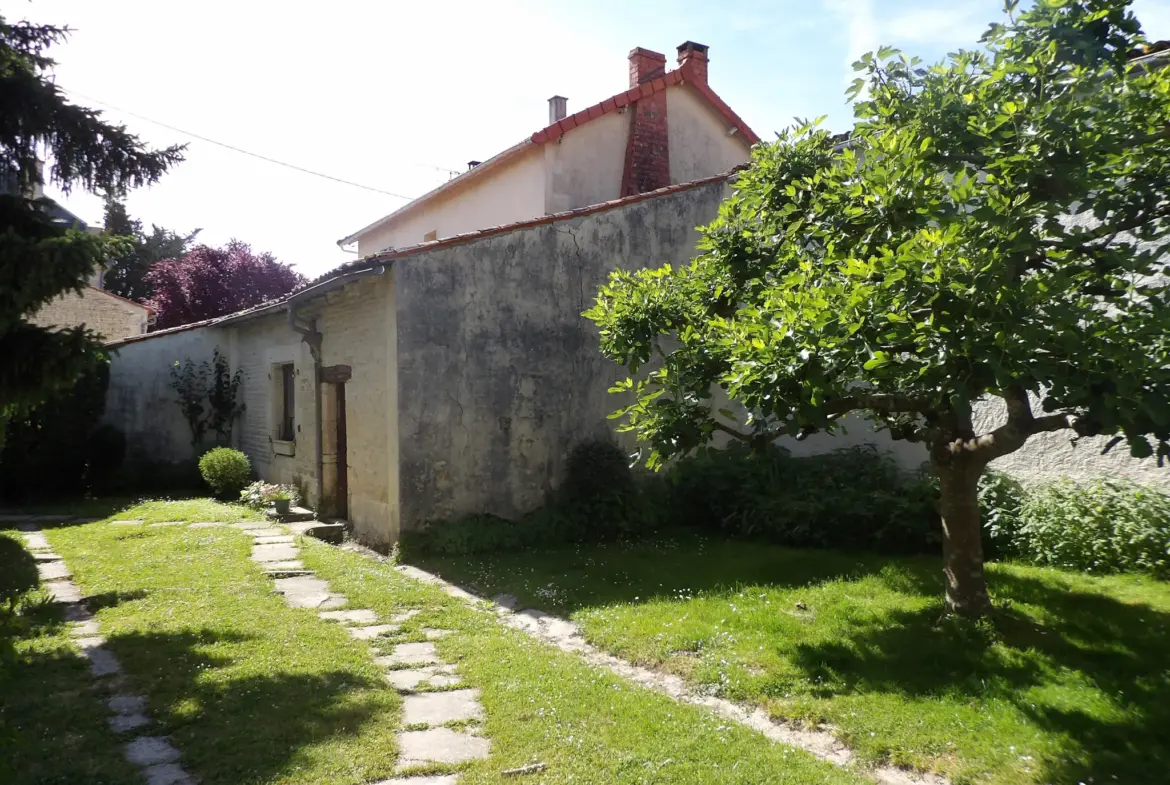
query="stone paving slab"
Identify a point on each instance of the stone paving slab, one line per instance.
(372, 631)
(121, 723)
(288, 564)
(167, 523)
(438, 708)
(272, 539)
(102, 662)
(356, 616)
(46, 556)
(76, 612)
(36, 541)
(442, 779)
(399, 618)
(86, 520)
(267, 531)
(433, 634)
(84, 629)
(206, 525)
(53, 571)
(127, 523)
(127, 704)
(150, 751)
(277, 552)
(416, 678)
(439, 745)
(410, 654)
(304, 591)
(64, 591)
(167, 774)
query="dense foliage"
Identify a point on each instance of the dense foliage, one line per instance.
(260, 495)
(47, 448)
(1102, 526)
(208, 282)
(995, 226)
(126, 271)
(226, 471)
(39, 257)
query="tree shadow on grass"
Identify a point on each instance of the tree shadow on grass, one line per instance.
(1095, 646)
(250, 727)
(568, 578)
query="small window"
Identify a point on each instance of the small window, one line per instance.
(286, 429)
(431, 235)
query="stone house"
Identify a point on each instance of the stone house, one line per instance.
(107, 314)
(449, 370)
(669, 127)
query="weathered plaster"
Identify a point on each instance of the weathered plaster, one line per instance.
(499, 375)
(699, 142)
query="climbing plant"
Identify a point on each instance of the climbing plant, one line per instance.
(207, 397)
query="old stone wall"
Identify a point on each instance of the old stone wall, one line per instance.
(107, 315)
(140, 401)
(499, 375)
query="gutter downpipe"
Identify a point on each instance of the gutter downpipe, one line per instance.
(313, 337)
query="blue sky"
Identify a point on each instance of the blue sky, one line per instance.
(395, 94)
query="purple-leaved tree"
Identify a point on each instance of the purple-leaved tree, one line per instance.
(208, 282)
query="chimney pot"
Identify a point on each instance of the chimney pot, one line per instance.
(558, 107)
(695, 56)
(473, 164)
(646, 66)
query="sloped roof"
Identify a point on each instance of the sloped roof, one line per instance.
(372, 261)
(684, 75)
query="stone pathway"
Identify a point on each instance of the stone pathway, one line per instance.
(566, 635)
(440, 716)
(154, 755)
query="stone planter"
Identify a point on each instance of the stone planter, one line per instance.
(281, 506)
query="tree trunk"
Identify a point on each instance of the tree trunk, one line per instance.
(962, 548)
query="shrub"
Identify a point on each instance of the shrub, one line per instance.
(227, 471)
(1000, 501)
(1103, 526)
(849, 498)
(260, 494)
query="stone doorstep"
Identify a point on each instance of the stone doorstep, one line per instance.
(372, 631)
(150, 751)
(439, 745)
(356, 616)
(410, 654)
(439, 708)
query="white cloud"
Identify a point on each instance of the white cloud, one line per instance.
(861, 29)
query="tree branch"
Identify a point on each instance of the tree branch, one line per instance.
(1020, 425)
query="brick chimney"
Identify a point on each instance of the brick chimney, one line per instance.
(647, 149)
(645, 66)
(694, 56)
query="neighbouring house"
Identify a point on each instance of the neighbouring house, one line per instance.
(669, 127)
(107, 314)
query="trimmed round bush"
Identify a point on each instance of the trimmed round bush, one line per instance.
(227, 471)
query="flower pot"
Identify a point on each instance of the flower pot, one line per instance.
(281, 506)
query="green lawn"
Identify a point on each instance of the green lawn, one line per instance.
(1071, 683)
(255, 693)
(52, 725)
